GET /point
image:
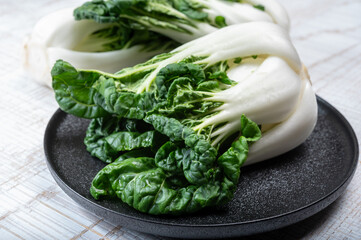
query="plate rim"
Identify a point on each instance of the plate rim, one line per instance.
(340, 188)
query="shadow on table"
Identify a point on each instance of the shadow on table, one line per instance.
(297, 230)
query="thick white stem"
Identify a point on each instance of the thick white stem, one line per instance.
(268, 95)
(255, 38)
(235, 12)
(288, 134)
(275, 10)
(57, 35)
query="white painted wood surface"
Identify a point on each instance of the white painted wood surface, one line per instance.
(327, 34)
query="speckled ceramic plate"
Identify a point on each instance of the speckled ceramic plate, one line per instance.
(270, 195)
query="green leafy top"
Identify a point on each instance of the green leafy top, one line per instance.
(179, 91)
(179, 179)
(143, 14)
(131, 23)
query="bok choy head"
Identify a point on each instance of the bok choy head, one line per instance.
(110, 35)
(177, 128)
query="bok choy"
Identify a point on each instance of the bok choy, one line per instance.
(176, 129)
(112, 34)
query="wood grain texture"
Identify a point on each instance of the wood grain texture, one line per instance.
(327, 35)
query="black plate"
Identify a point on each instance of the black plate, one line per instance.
(270, 195)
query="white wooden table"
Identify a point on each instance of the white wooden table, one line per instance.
(327, 34)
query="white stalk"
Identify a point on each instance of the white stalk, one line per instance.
(288, 134)
(242, 40)
(268, 95)
(275, 11)
(59, 36)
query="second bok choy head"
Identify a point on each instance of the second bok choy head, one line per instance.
(177, 128)
(113, 34)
